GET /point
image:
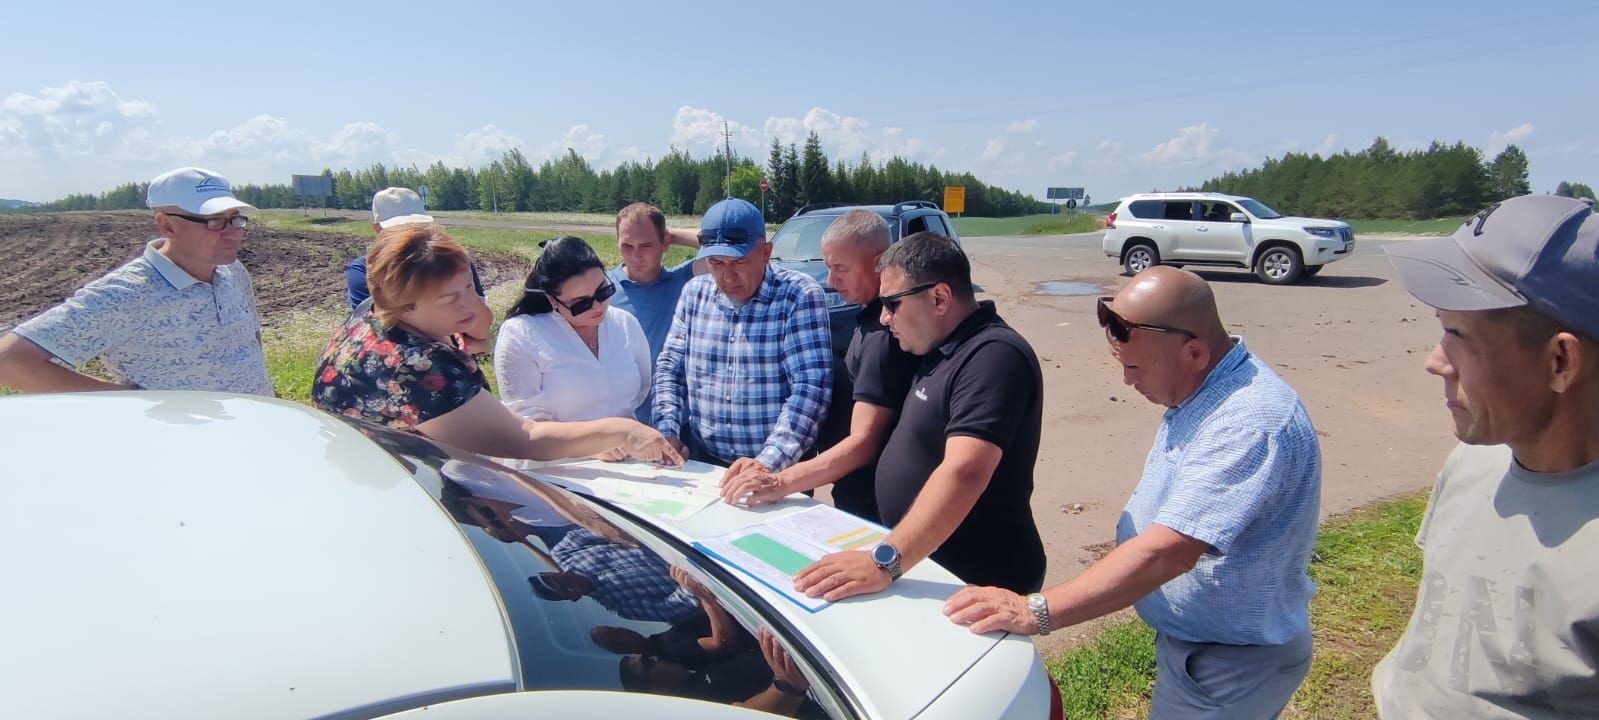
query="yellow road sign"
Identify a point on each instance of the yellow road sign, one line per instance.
(954, 198)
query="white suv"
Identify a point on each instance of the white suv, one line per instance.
(1202, 228)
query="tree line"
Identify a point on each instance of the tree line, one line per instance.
(1379, 182)
(678, 183)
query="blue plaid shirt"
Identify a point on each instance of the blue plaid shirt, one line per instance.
(1238, 466)
(631, 582)
(749, 380)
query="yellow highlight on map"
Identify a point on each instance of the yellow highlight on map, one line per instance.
(855, 538)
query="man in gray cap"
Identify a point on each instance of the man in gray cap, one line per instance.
(1507, 617)
(181, 316)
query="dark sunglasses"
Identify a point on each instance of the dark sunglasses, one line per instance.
(215, 223)
(726, 236)
(585, 304)
(891, 302)
(1121, 329)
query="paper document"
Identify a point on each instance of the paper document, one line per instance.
(672, 502)
(774, 552)
(662, 493)
(831, 528)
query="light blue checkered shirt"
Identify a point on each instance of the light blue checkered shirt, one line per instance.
(751, 380)
(1238, 466)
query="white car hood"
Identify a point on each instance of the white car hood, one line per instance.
(160, 563)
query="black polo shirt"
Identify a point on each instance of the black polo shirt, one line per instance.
(879, 373)
(982, 382)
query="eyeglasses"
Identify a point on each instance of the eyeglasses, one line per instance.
(891, 302)
(1121, 329)
(725, 236)
(585, 304)
(215, 223)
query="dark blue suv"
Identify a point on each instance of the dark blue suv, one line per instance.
(798, 246)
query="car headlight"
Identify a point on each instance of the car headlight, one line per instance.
(1329, 233)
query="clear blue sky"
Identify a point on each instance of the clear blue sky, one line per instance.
(1115, 97)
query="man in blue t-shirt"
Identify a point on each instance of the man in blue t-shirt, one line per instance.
(645, 287)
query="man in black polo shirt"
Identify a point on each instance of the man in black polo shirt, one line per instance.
(956, 477)
(879, 372)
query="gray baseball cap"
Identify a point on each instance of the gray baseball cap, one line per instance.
(1537, 250)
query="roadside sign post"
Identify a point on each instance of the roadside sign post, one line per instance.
(423, 191)
(1070, 194)
(309, 186)
(955, 199)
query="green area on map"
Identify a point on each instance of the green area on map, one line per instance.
(666, 508)
(787, 560)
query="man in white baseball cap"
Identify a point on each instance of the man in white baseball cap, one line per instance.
(181, 316)
(391, 207)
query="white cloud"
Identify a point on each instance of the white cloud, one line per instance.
(591, 145)
(844, 136)
(1193, 145)
(1328, 145)
(1063, 161)
(993, 150)
(75, 120)
(1022, 126)
(358, 143)
(1498, 140)
(268, 142)
(485, 145)
(700, 131)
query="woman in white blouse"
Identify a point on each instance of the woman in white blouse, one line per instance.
(563, 353)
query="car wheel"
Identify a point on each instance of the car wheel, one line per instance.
(1279, 265)
(1139, 258)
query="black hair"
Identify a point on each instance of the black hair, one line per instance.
(563, 258)
(928, 257)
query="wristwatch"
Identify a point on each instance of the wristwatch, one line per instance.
(887, 557)
(1040, 608)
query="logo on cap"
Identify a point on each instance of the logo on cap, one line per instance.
(212, 184)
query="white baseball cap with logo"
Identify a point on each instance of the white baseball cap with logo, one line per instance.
(193, 190)
(398, 206)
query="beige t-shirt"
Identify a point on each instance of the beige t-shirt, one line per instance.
(1507, 616)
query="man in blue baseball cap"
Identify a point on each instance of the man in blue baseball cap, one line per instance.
(1508, 607)
(746, 373)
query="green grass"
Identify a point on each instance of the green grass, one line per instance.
(1366, 567)
(514, 241)
(1108, 676)
(1436, 226)
(1029, 225)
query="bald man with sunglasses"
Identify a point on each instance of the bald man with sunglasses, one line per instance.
(180, 316)
(1213, 546)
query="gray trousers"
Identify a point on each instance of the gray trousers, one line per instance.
(1236, 682)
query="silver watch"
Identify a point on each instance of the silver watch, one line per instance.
(1040, 608)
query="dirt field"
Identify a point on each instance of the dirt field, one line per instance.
(48, 257)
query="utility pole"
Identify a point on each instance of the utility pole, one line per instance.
(727, 153)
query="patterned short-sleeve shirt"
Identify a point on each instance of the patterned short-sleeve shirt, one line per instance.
(153, 324)
(390, 376)
(1237, 466)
